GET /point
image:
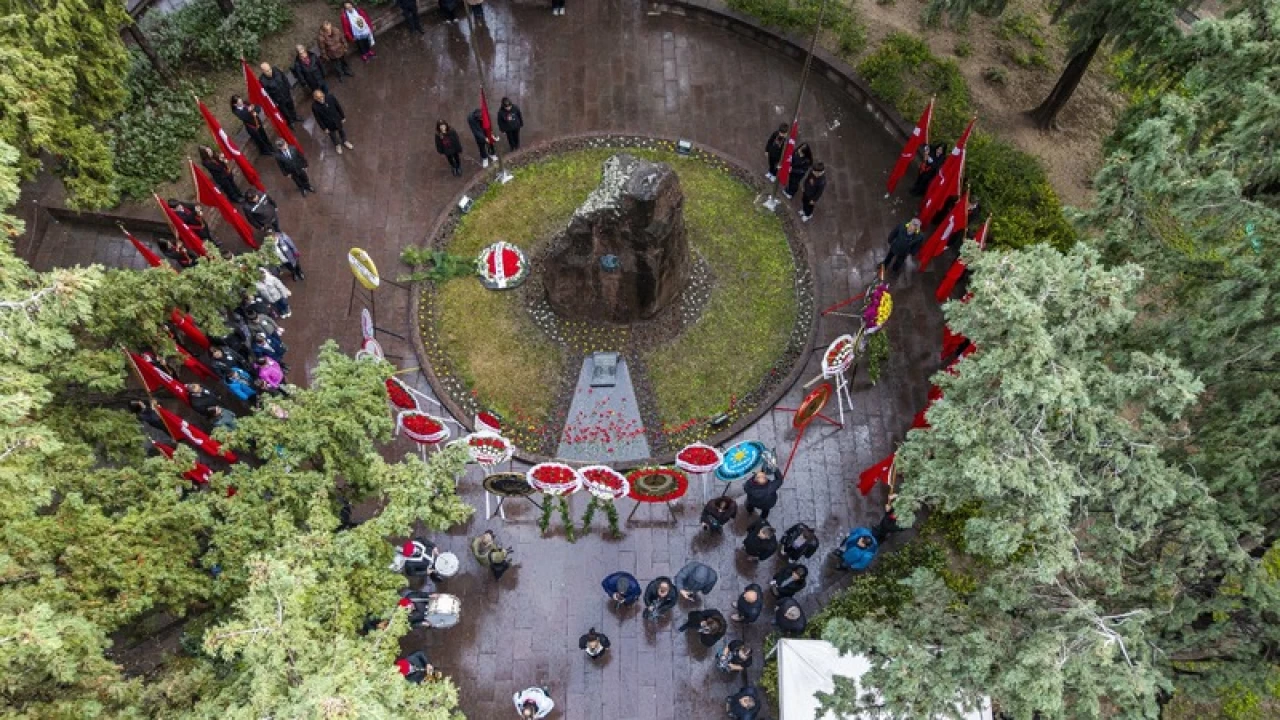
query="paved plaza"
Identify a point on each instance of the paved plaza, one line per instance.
(605, 66)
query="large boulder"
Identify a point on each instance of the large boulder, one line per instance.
(624, 256)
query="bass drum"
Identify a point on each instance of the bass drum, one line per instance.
(443, 611)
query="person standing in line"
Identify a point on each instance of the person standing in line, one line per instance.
(593, 643)
(622, 588)
(557, 7)
(477, 11)
(760, 543)
(201, 398)
(888, 522)
(799, 542)
(749, 604)
(409, 8)
(222, 418)
(331, 118)
(449, 8)
(510, 121)
(287, 251)
(734, 656)
(789, 580)
(762, 491)
(270, 373)
(487, 552)
(773, 149)
(659, 597)
(482, 141)
(930, 164)
(789, 617)
(744, 704)
(814, 185)
(801, 161)
(695, 580)
(219, 169)
(904, 241)
(294, 166)
(274, 292)
(858, 550)
(176, 253)
(709, 624)
(334, 48)
(358, 29)
(251, 116)
(718, 512)
(534, 703)
(193, 217)
(448, 145)
(278, 89)
(308, 69)
(260, 210)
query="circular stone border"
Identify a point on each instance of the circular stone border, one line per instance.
(478, 185)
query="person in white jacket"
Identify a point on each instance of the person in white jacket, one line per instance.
(274, 292)
(533, 703)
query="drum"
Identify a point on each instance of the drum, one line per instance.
(446, 565)
(443, 611)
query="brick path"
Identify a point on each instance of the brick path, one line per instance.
(604, 66)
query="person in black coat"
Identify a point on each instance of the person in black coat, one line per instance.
(789, 617)
(903, 241)
(801, 161)
(799, 542)
(659, 597)
(308, 70)
(814, 185)
(760, 542)
(219, 169)
(709, 624)
(260, 209)
(294, 165)
(448, 145)
(251, 116)
(482, 142)
(409, 8)
(744, 704)
(193, 217)
(773, 149)
(749, 604)
(279, 90)
(789, 580)
(594, 643)
(175, 252)
(415, 667)
(201, 398)
(449, 8)
(510, 121)
(330, 117)
(762, 491)
(718, 512)
(930, 164)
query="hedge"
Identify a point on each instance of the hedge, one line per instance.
(800, 16)
(197, 36)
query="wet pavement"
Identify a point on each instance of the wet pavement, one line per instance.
(605, 66)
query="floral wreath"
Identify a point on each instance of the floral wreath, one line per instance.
(502, 266)
(657, 484)
(839, 355)
(604, 482)
(422, 428)
(554, 478)
(488, 448)
(878, 308)
(698, 458)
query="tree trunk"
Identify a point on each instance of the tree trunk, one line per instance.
(140, 38)
(226, 6)
(1045, 114)
(1060, 10)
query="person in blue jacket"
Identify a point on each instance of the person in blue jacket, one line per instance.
(858, 549)
(622, 588)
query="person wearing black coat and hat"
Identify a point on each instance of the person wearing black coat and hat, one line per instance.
(308, 70)
(193, 217)
(930, 164)
(744, 704)
(510, 121)
(762, 491)
(251, 116)
(695, 579)
(219, 169)
(176, 252)
(903, 241)
(330, 117)
(813, 187)
(709, 624)
(749, 604)
(773, 149)
(476, 124)
(260, 209)
(789, 580)
(415, 667)
(799, 542)
(789, 617)
(278, 89)
(761, 542)
(718, 512)
(448, 145)
(594, 643)
(801, 161)
(659, 597)
(294, 165)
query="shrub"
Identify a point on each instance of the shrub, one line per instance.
(149, 137)
(964, 49)
(905, 73)
(995, 75)
(1022, 41)
(1013, 186)
(198, 36)
(958, 10)
(800, 16)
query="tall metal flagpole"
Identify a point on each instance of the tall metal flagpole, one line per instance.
(504, 177)
(772, 202)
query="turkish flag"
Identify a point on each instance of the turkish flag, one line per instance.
(951, 342)
(956, 221)
(153, 378)
(484, 119)
(208, 194)
(190, 362)
(229, 148)
(182, 430)
(199, 474)
(181, 230)
(880, 472)
(147, 253)
(958, 267)
(188, 327)
(946, 183)
(919, 136)
(784, 167)
(258, 96)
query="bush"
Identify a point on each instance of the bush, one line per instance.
(149, 137)
(958, 10)
(800, 16)
(1022, 41)
(198, 36)
(1013, 186)
(964, 49)
(905, 73)
(995, 75)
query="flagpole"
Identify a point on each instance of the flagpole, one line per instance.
(504, 177)
(772, 201)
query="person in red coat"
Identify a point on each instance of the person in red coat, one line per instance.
(358, 29)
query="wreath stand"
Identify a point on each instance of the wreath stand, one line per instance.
(503, 485)
(644, 495)
(810, 408)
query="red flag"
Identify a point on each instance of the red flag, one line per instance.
(919, 136)
(181, 230)
(182, 430)
(154, 378)
(208, 194)
(484, 119)
(188, 327)
(880, 472)
(958, 267)
(190, 362)
(956, 221)
(784, 167)
(258, 96)
(946, 183)
(951, 342)
(147, 253)
(198, 474)
(229, 148)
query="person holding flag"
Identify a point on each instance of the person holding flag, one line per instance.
(219, 168)
(153, 260)
(251, 116)
(801, 161)
(180, 230)
(330, 117)
(208, 194)
(947, 183)
(919, 136)
(482, 132)
(958, 269)
(773, 149)
(229, 148)
(954, 224)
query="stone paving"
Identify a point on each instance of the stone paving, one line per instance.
(605, 66)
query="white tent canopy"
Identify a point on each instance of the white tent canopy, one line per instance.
(806, 667)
